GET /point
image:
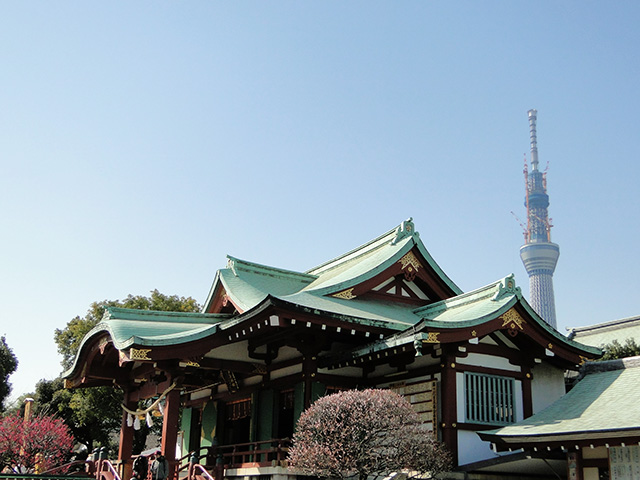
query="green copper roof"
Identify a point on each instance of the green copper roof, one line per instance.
(128, 327)
(601, 402)
(604, 333)
(474, 307)
(368, 260)
(466, 310)
(248, 284)
(151, 328)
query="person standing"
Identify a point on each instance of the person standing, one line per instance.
(159, 467)
(140, 467)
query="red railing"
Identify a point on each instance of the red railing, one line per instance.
(264, 453)
(106, 471)
(198, 472)
(78, 468)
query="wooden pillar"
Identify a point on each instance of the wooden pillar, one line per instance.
(527, 398)
(574, 465)
(170, 427)
(309, 370)
(449, 405)
(126, 440)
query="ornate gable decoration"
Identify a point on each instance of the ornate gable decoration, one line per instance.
(410, 266)
(513, 321)
(345, 294)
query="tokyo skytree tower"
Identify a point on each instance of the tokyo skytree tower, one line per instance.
(539, 254)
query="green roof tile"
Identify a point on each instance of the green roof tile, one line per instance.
(604, 333)
(600, 402)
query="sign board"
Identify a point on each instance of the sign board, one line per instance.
(624, 463)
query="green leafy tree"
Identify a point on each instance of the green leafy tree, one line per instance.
(616, 349)
(94, 414)
(365, 433)
(8, 365)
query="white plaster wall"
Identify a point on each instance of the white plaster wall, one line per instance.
(472, 449)
(489, 361)
(547, 385)
(517, 387)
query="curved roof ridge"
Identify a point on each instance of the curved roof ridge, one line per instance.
(568, 340)
(406, 228)
(120, 313)
(610, 325)
(495, 291)
(234, 264)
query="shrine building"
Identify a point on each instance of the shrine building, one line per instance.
(231, 381)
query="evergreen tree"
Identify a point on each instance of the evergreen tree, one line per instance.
(8, 365)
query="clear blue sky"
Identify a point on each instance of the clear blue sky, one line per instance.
(141, 142)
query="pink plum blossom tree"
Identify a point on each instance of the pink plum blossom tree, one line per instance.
(41, 441)
(365, 433)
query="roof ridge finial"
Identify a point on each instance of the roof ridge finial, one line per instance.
(507, 286)
(406, 228)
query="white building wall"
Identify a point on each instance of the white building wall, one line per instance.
(489, 361)
(472, 449)
(547, 385)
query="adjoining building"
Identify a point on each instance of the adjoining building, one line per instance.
(231, 381)
(608, 332)
(594, 429)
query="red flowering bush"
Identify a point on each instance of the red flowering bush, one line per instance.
(42, 440)
(370, 432)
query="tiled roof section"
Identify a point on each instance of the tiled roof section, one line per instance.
(128, 327)
(484, 304)
(473, 307)
(604, 333)
(148, 327)
(248, 284)
(370, 259)
(373, 312)
(469, 309)
(602, 401)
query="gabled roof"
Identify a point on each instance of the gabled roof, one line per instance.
(472, 308)
(153, 328)
(128, 327)
(604, 333)
(366, 261)
(247, 284)
(465, 314)
(603, 405)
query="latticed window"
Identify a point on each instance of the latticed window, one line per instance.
(287, 399)
(238, 409)
(489, 399)
(329, 390)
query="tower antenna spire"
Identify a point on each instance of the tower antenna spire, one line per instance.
(533, 136)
